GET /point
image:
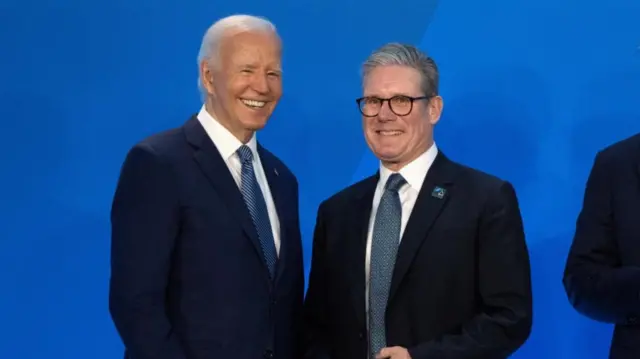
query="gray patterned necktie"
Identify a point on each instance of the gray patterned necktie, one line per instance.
(257, 206)
(384, 247)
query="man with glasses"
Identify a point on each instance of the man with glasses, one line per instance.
(426, 258)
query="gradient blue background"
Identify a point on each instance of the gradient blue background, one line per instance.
(532, 90)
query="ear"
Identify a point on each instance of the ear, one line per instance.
(206, 77)
(435, 109)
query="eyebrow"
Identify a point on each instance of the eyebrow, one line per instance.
(277, 69)
(392, 94)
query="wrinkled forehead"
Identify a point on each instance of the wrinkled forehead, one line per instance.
(252, 49)
(387, 81)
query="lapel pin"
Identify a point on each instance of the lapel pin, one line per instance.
(276, 172)
(438, 192)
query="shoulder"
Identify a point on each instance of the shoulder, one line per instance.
(164, 142)
(283, 170)
(477, 180)
(480, 190)
(623, 151)
(345, 197)
(160, 151)
(167, 143)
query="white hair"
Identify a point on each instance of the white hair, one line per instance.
(209, 49)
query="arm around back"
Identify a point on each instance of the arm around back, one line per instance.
(144, 223)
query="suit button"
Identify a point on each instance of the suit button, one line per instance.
(360, 336)
(633, 320)
(268, 354)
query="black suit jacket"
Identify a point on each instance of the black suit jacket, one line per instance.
(602, 274)
(188, 280)
(461, 284)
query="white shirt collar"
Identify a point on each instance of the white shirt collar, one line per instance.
(414, 172)
(226, 142)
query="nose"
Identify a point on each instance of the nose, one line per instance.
(260, 83)
(385, 113)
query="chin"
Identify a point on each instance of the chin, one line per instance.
(387, 149)
(387, 156)
(254, 124)
(389, 159)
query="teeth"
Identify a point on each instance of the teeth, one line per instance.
(253, 103)
(389, 133)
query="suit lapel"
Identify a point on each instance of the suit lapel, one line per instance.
(356, 251)
(215, 169)
(428, 206)
(270, 168)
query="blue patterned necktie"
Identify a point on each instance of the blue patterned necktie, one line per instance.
(384, 247)
(257, 206)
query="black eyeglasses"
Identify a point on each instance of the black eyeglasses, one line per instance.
(400, 105)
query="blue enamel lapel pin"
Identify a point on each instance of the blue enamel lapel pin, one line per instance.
(438, 192)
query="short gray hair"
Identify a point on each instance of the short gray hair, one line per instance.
(209, 48)
(405, 55)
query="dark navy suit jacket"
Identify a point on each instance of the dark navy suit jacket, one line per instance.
(461, 284)
(188, 280)
(602, 274)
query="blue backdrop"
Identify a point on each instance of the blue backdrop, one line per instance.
(532, 89)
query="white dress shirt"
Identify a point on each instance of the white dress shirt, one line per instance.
(414, 173)
(227, 145)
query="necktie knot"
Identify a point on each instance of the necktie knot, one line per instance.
(394, 182)
(245, 154)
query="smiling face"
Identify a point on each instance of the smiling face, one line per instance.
(245, 86)
(398, 140)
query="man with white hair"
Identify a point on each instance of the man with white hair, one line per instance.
(206, 256)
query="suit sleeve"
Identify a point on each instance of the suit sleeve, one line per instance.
(504, 286)
(595, 282)
(144, 222)
(315, 321)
